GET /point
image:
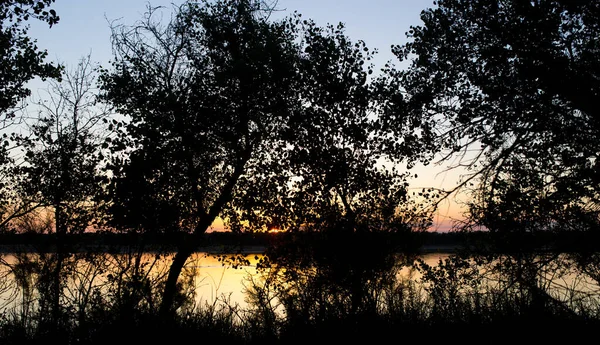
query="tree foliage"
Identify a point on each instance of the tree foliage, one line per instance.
(513, 88)
(20, 59)
(257, 119)
(20, 62)
(60, 168)
(202, 93)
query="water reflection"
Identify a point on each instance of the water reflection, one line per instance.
(440, 281)
(210, 276)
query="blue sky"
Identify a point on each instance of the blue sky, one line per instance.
(84, 24)
(84, 29)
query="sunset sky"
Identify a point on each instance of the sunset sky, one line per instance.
(84, 29)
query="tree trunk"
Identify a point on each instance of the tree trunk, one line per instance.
(56, 287)
(166, 305)
(188, 246)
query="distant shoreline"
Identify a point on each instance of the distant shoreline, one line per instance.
(255, 243)
(214, 249)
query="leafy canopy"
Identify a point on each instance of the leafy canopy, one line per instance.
(20, 59)
(513, 88)
(20, 62)
(264, 123)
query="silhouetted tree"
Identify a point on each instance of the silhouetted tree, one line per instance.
(512, 87)
(62, 153)
(20, 62)
(510, 90)
(263, 123)
(60, 169)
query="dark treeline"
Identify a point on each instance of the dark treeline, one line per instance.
(231, 243)
(226, 241)
(223, 111)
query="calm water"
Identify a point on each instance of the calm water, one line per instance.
(207, 279)
(211, 280)
(215, 281)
